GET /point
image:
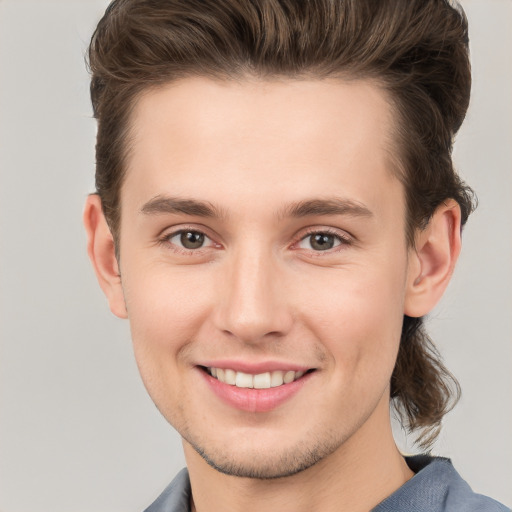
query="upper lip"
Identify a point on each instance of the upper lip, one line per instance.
(255, 368)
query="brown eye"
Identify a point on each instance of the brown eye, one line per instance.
(188, 242)
(322, 241)
(191, 239)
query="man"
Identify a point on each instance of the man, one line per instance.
(276, 210)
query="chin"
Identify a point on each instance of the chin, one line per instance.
(271, 463)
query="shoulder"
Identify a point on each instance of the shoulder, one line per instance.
(437, 487)
(175, 497)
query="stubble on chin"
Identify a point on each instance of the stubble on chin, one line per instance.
(256, 464)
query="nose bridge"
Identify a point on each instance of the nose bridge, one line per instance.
(254, 302)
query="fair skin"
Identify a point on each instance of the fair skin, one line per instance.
(263, 233)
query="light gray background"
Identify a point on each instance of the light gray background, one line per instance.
(77, 431)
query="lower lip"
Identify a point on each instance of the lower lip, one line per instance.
(254, 400)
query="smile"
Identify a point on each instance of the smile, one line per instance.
(260, 381)
(256, 391)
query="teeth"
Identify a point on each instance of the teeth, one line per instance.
(244, 380)
(276, 379)
(261, 381)
(288, 377)
(230, 377)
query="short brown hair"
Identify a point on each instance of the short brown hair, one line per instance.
(417, 50)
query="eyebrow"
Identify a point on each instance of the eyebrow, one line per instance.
(331, 206)
(166, 205)
(307, 208)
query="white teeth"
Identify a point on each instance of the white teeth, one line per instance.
(230, 377)
(288, 377)
(276, 379)
(244, 380)
(260, 381)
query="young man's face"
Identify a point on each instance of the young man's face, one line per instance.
(262, 234)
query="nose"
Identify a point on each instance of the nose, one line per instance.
(254, 303)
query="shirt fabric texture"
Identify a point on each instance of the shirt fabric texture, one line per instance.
(436, 487)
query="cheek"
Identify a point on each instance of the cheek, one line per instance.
(162, 302)
(165, 311)
(358, 317)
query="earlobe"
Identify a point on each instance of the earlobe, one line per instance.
(433, 259)
(101, 250)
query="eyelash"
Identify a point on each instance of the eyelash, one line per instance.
(343, 239)
(165, 240)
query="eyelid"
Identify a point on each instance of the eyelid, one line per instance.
(345, 238)
(168, 233)
(165, 236)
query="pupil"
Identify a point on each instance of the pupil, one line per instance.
(191, 239)
(322, 242)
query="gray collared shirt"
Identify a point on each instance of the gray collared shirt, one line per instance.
(436, 487)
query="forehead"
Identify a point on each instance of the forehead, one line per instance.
(286, 108)
(257, 138)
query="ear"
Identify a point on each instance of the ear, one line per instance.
(100, 247)
(432, 260)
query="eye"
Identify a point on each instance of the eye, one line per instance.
(321, 241)
(189, 239)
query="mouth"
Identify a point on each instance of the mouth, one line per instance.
(255, 392)
(265, 380)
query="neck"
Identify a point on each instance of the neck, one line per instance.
(362, 472)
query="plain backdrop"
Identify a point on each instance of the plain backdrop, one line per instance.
(77, 431)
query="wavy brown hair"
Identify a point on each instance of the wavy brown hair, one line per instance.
(416, 50)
